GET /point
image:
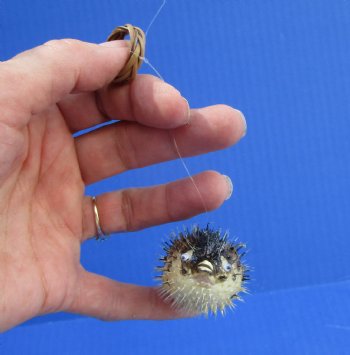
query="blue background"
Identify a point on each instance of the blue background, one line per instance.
(286, 65)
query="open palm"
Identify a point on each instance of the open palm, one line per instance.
(47, 94)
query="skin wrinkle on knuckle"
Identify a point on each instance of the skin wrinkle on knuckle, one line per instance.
(66, 299)
(100, 106)
(75, 305)
(127, 158)
(133, 102)
(169, 216)
(127, 211)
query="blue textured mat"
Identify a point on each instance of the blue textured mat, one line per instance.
(309, 320)
(285, 64)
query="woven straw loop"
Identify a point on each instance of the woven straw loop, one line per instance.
(137, 51)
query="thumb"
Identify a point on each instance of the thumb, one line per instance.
(42, 76)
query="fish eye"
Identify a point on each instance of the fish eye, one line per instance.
(226, 265)
(186, 256)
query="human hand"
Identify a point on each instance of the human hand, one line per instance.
(47, 94)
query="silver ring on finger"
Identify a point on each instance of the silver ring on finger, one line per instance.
(100, 234)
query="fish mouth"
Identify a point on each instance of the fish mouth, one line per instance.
(206, 266)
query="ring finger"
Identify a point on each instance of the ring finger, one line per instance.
(134, 209)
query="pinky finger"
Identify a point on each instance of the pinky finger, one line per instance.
(106, 299)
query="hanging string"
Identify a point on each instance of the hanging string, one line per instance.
(188, 172)
(155, 17)
(129, 71)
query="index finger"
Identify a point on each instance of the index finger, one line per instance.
(146, 100)
(42, 76)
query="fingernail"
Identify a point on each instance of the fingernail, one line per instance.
(188, 111)
(229, 187)
(244, 122)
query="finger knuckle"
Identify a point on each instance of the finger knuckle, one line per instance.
(63, 44)
(124, 147)
(169, 214)
(127, 210)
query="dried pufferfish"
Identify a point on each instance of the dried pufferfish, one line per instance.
(202, 271)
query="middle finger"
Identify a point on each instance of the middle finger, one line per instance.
(126, 145)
